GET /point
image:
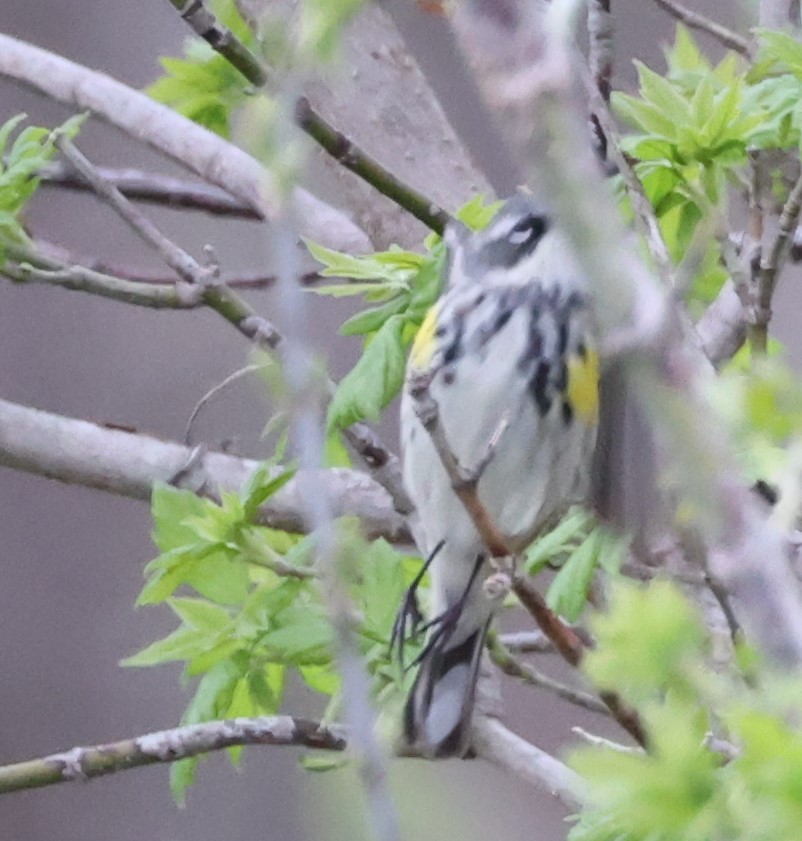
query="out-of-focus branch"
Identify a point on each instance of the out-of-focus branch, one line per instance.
(722, 328)
(668, 376)
(694, 20)
(495, 743)
(130, 464)
(154, 188)
(209, 156)
(778, 14)
(84, 763)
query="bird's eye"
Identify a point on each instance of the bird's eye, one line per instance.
(529, 230)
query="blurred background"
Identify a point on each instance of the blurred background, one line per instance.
(71, 559)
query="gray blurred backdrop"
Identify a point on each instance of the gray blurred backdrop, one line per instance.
(71, 559)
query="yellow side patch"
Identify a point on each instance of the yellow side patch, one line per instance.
(424, 346)
(583, 386)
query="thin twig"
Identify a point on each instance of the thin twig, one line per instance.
(601, 742)
(84, 763)
(513, 667)
(771, 264)
(645, 217)
(354, 159)
(331, 140)
(694, 20)
(222, 40)
(174, 256)
(154, 188)
(527, 642)
(31, 268)
(68, 257)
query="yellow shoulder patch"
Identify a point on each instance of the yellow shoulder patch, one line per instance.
(583, 386)
(424, 346)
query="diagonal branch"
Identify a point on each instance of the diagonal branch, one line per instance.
(85, 763)
(334, 142)
(182, 263)
(694, 20)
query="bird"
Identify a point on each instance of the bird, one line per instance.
(509, 355)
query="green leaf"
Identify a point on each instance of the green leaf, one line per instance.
(218, 577)
(374, 381)
(181, 644)
(182, 777)
(569, 590)
(170, 507)
(201, 615)
(383, 587)
(547, 548)
(263, 483)
(321, 679)
(320, 762)
(303, 637)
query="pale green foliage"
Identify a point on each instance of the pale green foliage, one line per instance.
(696, 126)
(203, 86)
(654, 650)
(23, 152)
(243, 620)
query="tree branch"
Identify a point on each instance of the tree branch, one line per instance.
(209, 156)
(334, 142)
(771, 264)
(513, 667)
(130, 464)
(495, 743)
(85, 763)
(154, 188)
(23, 267)
(182, 263)
(694, 20)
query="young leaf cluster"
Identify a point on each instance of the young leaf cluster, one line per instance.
(249, 607)
(696, 128)
(22, 154)
(653, 649)
(203, 85)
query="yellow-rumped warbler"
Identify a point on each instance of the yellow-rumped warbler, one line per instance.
(510, 351)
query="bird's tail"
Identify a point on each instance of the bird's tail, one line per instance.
(437, 717)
